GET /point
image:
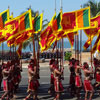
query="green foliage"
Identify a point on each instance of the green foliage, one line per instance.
(68, 55)
(94, 7)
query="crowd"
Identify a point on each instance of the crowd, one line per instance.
(10, 73)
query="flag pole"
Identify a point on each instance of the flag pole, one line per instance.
(75, 46)
(62, 39)
(34, 55)
(91, 49)
(81, 44)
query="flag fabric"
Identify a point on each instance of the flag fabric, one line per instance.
(37, 23)
(46, 38)
(56, 23)
(94, 48)
(68, 22)
(22, 38)
(18, 25)
(83, 18)
(98, 46)
(11, 42)
(70, 37)
(76, 20)
(4, 16)
(88, 42)
(95, 26)
(19, 50)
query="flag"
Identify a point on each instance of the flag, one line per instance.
(76, 20)
(94, 48)
(11, 42)
(37, 23)
(4, 16)
(98, 46)
(19, 50)
(22, 38)
(56, 23)
(18, 25)
(47, 38)
(70, 37)
(95, 26)
(88, 42)
(68, 22)
(83, 18)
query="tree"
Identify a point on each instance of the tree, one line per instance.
(94, 7)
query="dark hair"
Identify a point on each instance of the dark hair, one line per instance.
(85, 64)
(51, 61)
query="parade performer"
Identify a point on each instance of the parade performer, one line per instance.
(17, 74)
(32, 83)
(87, 81)
(78, 81)
(6, 85)
(97, 84)
(51, 89)
(1, 76)
(57, 81)
(72, 77)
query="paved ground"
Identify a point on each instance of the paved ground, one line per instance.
(43, 89)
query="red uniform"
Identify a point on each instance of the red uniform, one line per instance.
(33, 84)
(87, 85)
(78, 81)
(58, 85)
(97, 77)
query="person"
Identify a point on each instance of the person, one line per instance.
(78, 81)
(51, 89)
(32, 82)
(57, 81)
(72, 77)
(6, 83)
(97, 84)
(1, 76)
(87, 81)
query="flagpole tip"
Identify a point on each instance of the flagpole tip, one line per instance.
(81, 6)
(11, 13)
(30, 7)
(8, 7)
(42, 11)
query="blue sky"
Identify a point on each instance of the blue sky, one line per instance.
(48, 6)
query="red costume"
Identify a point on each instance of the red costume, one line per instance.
(77, 81)
(97, 77)
(87, 85)
(33, 84)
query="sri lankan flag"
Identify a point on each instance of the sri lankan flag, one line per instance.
(19, 50)
(56, 22)
(18, 25)
(76, 20)
(94, 28)
(83, 18)
(70, 37)
(94, 48)
(37, 23)
(88, 42)
(4, 16)
(98, 47)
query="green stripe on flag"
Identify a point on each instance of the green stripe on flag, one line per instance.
(4, 17)
(86, 18)
(59, 21)
(27, 22)
(37, 23)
